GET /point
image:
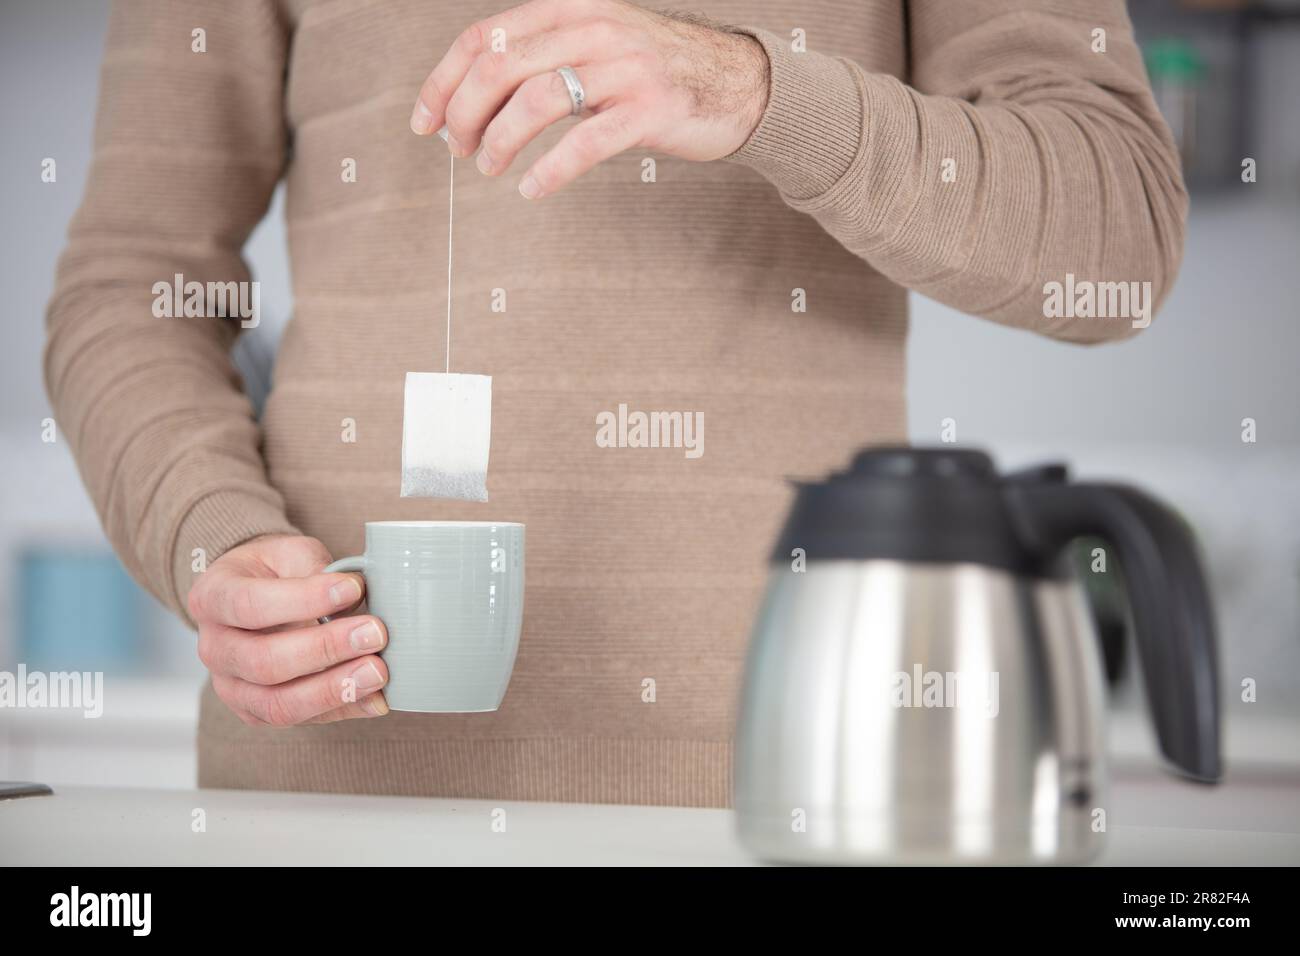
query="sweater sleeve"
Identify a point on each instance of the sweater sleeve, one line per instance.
(1020, 154)
(188, 147)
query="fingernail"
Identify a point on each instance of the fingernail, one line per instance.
(421, 118)
(529, 188)
(484, 162)
(367, 677)
(366, 637)
(375, 705)
(345, 593)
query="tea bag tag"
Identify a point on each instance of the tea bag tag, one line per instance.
(446, 434)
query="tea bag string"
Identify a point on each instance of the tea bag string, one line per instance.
(451, 192)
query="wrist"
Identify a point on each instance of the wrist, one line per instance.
(811, 127)
(754, 81)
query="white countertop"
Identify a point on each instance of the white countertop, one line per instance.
(1156, 820)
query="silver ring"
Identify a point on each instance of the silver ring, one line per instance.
(577, 95)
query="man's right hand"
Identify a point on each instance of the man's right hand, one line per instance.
(271, 662)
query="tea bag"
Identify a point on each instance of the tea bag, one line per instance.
(446, 433)
(446, 419)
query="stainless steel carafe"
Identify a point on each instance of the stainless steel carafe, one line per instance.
(923, 683)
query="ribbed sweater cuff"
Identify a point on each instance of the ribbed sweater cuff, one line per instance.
(811, 130)
(216, 523)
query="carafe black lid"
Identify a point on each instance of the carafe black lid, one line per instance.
(899, 462)
(938, 505)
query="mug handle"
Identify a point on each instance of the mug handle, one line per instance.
(355, 563)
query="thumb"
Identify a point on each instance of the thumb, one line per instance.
(294, 556)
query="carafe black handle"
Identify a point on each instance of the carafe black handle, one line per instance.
(1172, 612)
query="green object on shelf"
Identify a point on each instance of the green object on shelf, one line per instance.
(1173, 58)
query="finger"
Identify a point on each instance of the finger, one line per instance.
(540, 101)
(299, 700)
(494, 77)
(590, 142)
(274, 658)
(535, 17)
(224, 687)
(256, 603)
(372, 706)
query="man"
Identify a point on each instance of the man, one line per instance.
(728, 230)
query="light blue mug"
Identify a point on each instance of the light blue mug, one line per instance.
(451, 594)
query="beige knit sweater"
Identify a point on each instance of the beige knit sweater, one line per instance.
(667, 295)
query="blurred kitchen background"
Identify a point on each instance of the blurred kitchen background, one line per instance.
(1163, 411)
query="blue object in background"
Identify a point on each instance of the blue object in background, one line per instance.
(78, 611)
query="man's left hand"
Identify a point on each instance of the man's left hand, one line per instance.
(675, 85)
